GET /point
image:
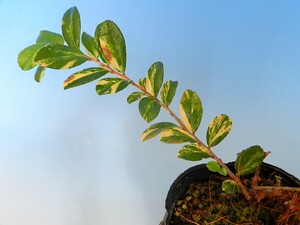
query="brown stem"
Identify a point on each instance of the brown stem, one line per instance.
(178, 120)
(223, 165)
(272, 188)
(231, 174)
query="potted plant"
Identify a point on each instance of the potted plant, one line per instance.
(246, 191)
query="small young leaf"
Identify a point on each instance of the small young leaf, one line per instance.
(230, 187)
(168, 92)
(156, 129)
(83, 77)
(27, 55)
(149, 109)
(39, 74)
(71, 27)
(142, 82)
(111, 45)
(56, 56)
(193, 152)
(89, 45)
(49, 37)
(191, 110)
(154, 78)
(218, 129)
(110, 85)
(215, 167)
(249, 160)
(134, 96)
(176, 136)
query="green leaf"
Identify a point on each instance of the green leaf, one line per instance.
(71, 27)
(230, 187)
(176, 136)
(39, 74)
(111, 45)
(215, 167)
(191, 110)
(156, 129)
(89, 45)
(49, 37)
(249, 160)
(134, 96)
(154, 78)
(168, 92)
(83, 77)
(149, 109)
(218, 129)
(142, 82)
(193, 152)
(111, 85)
(27, 55)
(56, 56)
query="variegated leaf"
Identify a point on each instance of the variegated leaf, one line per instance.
(89, 45)
(111, 45)
(149, 109)
(193, 152)
(71, 27)
(110, 85)
(218, 129)
(154, 78)
(56, 56)
(191, 110)
(84, 76)
(156, 129)
(134, 96)
(176, 136)
(27, 55)
(249, 160)
(142, 82)
(168, 92)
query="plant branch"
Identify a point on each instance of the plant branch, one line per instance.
(272, 188)
(178, 120)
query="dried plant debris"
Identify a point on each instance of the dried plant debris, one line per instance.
(206, 203)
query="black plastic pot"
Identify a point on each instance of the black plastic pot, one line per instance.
(200, 173)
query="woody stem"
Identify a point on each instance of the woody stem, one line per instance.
(178, 120)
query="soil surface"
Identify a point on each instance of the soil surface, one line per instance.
(206, 203)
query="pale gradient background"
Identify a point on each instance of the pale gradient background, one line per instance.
(74, 158)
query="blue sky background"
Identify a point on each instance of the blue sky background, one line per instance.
(72, 157)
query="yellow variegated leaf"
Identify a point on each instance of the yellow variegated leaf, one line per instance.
(57, 56)
(71, 27)
(111, 45)
(176, 136)
(218, 129)
(191, 110)
(84, 76)
(168, 91)
(134, 96)
(193, 152)
(156, 129)
(149, 109)
(111, 85)
(154, 78)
